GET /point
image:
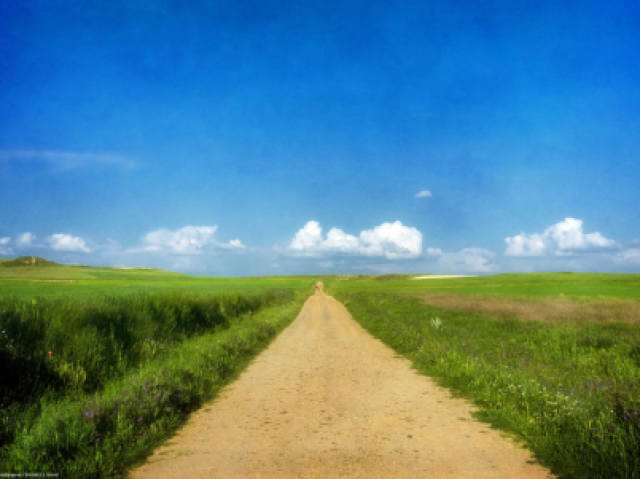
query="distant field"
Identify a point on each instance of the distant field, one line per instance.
(574, 285)
(87, 282)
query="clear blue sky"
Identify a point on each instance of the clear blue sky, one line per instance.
(247, 138)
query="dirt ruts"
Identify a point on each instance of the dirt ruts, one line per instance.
(327, 400)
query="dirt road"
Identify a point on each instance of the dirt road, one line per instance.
(328, 400)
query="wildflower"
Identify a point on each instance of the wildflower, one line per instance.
(50, 353)
(139, 419)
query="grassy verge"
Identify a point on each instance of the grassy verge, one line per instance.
(569, 391)
(102, 433)
(74, 345)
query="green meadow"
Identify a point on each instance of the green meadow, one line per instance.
(85, 282)
(101, 365)
(575, 285)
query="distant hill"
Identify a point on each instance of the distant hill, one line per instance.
(28, 261)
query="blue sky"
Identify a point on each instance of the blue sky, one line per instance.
(293, 137)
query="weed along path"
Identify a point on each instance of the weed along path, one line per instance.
(326, 399)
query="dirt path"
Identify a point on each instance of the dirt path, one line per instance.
(328, 400)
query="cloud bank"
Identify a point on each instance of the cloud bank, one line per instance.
(65, 242)
(56, 242)
(467, 260)
(390, 240)
(5, 250)
(560, 239)
(190, 240)
(387, 248)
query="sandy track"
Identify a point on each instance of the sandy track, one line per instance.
(326, 399)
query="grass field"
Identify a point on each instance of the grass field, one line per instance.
(553, 359)
(86, 282)
(574, 285)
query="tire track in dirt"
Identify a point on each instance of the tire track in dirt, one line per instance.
(325, 400)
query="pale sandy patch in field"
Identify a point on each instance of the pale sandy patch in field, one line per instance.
(441, 276)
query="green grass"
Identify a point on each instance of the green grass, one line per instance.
(85, 282)
(596, 285)
(570, 392)
(101, 429)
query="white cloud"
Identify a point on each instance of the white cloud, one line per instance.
(629, 256)
(424, 194)
(525, 245)
(568, 235)
(476, 260)
(65, 160)
(392, 240)
(190, 240)
(563, 237)
(4, 249)
(236, 243)
(465, 261)
(25, 240)
(309, 237)
(65, 242)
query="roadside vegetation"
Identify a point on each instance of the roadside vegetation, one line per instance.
(569, 389)
(90, 387)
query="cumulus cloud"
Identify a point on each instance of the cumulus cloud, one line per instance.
(561, 238)
(629, 256)
(468, 260)
(65, 242)
(434, 252)
(190, 240)
(4, 249)
(309, 237)
(391, 240)
(525, 245)
(25, 240)
(424, 194)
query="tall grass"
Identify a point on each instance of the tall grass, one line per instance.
(570, 391)
(54, 351)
